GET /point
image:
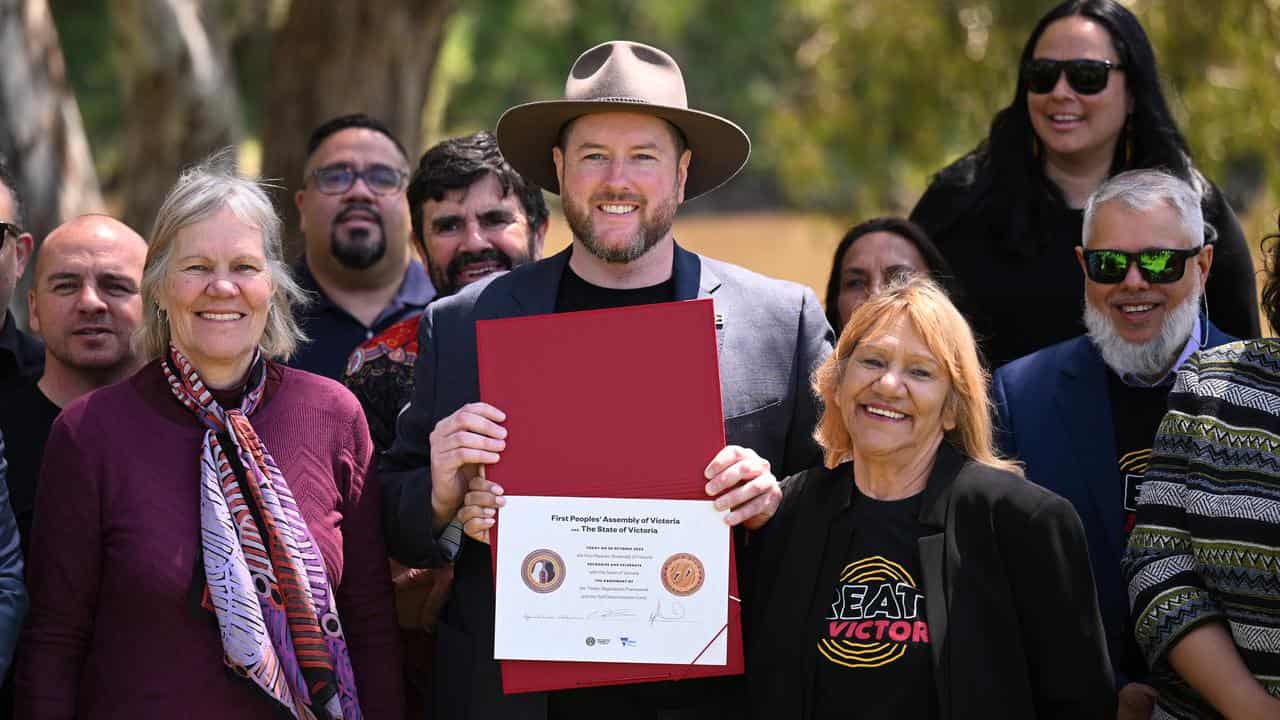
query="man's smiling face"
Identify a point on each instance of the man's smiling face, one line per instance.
(474, 231)
(621, 177)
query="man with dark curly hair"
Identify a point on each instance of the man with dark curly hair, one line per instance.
(472, 215)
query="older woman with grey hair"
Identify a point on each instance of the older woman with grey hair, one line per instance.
(208, 542)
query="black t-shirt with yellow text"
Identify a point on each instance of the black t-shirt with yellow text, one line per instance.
(872, 644)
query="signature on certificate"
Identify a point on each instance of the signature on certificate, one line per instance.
(611, 614)
(601, 614)
(674, 612)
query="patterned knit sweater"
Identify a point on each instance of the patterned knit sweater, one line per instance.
(1207, 542)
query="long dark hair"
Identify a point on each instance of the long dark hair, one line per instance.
(937, 266)
(1010, 156)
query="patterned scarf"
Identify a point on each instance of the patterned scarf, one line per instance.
(264, 578)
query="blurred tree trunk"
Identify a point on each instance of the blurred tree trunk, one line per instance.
(180, 98)
(329, 59)
(41, 135)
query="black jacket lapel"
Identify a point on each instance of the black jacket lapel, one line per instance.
(534, 291)
(934, 511)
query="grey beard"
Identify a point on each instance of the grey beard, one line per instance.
(1150, 360)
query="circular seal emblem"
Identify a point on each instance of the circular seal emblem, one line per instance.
(542, 571)
(682, 574)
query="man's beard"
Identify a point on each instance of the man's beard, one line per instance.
(651, 230)
(1148, 360)
(357, 251)
(446, 279)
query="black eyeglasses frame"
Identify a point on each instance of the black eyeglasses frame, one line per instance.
(358, 175)
(5, 229)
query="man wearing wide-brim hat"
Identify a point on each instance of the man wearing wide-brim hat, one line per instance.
(623, 149)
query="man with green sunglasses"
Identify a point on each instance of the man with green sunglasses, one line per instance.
(1082, 414)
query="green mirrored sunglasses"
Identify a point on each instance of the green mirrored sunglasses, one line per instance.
(1157, 265)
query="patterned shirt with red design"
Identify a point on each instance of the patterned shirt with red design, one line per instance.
(380, 374)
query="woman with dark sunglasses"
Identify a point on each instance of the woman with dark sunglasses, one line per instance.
(1008, 215)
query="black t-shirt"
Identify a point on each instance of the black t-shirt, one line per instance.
(26, 416)
(21, 355)
(872, 633)
(578, 294)
(1135, 415)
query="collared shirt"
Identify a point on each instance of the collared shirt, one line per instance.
(1193, 345)
(334, 332)
(21, 355)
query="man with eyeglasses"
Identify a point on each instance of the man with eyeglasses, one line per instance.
(21, 355)
(357, 260)
(21, 362)
(1082, 414)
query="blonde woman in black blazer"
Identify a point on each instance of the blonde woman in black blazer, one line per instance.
(918, 575)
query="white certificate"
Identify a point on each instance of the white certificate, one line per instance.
(604, 580)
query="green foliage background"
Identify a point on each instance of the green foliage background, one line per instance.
(852, 104)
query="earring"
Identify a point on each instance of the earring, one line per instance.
(1128, 142)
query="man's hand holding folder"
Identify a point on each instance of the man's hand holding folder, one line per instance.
(473, 437)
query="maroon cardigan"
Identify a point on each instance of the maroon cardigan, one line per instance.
(112, 632)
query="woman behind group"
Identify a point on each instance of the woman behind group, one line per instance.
(1202, 560)
(1008, 215)
(208, 541)
(918, 575)
(875, 254)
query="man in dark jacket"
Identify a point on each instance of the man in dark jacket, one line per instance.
(624, 151)
(21, 355)
(1082, 414)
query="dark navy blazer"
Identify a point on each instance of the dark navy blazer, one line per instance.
(1053, 414)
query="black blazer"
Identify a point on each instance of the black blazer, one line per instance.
(1013, 616)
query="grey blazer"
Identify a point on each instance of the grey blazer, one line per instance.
(771, 336)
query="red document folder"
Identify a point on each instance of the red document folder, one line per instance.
(618, 403)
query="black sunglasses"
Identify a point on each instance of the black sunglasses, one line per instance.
(337, 179)
(1157, 266)
(5, 229)
(1086, 77)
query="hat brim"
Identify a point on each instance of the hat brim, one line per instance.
(526, 133)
